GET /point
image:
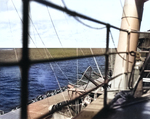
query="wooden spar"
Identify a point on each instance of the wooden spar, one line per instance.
(131, 20)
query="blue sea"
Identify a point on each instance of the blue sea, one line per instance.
(42, 78)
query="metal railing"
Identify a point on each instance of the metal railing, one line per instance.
(25, 62)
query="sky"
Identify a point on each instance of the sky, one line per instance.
(54, 29)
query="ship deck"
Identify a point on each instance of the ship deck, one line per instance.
(137, 109)
(37, 109)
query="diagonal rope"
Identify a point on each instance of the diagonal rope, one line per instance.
(62, 93)
(44, 50)
(77, 19)
(84, 55)
(54, 27)
(96, 64)
(117, 50)
(124, 13)
(12, 38)
(22, 22)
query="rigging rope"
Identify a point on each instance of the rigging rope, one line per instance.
(96, 64)
(54, 27)
(124, 13)
(52, 67)
(73, 13)
(87, 24)
(22, 22)
(81, 21)
(59, 86)
(89, 27)
(13, 39)
(84, 55)
(117, 50)
(45, 51)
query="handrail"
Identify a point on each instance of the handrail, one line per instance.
(84, 94)
(25, 62)
(73, 13)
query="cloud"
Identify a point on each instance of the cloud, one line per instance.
(3, 5)
(70, 32)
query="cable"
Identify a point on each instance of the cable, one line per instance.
(12, 38)
(44, 45)
(81, 21)
(73, 13)
(54, 27)
(45, 49)
(84, 94)
(50, 54)
(16, 9)
(117, 50)
(59, 85)
(124, 13)
(84, 55)
(88, 25)
(96, 64)
(22, 22)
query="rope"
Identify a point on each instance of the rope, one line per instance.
(84, 94)
(22, 22)
(96, 64)
(124, 13)
(59, 86)
(72, 13)
(44, 49)
(12, 38)
(88, 25)
(54, 27)
(82, 16)
(117, 50)
(80, 20)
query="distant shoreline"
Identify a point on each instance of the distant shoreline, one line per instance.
(13, 55)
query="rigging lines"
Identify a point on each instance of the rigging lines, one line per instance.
(124, 14)
(81, 21)
(22, 22)
(73, 13)
(105, 54)
(54, 27)
(44, 50)
(11, 32)
(117, 50)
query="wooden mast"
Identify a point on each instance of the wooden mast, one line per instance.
(131, 20)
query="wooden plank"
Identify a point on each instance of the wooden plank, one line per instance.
(42, 107)
(92, 109)
(39, 108)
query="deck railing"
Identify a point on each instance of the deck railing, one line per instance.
(25, 62)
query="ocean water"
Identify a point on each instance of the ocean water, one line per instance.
(42, 78)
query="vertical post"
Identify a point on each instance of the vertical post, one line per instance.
(106, 65)
(24, 61)
(131, 20)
